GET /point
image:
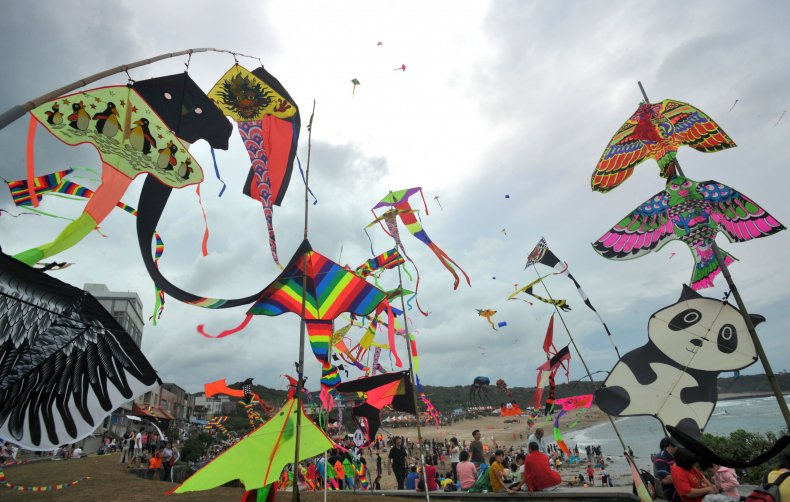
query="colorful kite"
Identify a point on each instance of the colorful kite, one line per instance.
(385, 261)
(692, 212)
(478, 392)
(555, 359)
(331, 290)
(217, 423)
(568, 404)
(529, 289)
(543, 255)
(133, 137)
(390, 389)
(398, 204)
(401, 68)
(511, 409)
(656, 131)
(488, 314)
(269, 125)
(258, 459)
(673, 377)
(65, 362)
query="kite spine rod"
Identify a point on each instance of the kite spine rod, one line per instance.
(303, 324)
(576, 348)
(18, 111)
(413, 384)
(758, 346)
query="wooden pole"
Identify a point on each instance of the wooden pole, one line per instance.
(578, 352)
(413, 383)
(303, 324)
(18, 111)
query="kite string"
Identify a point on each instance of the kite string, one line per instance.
(578, 352)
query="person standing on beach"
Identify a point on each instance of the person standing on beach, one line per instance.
(537, 437)
(397, 462)
(124, 448)
(476, 449)
(455, 452)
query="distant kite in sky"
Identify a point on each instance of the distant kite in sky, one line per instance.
(380, 43)
(733, 106)
(692, 212)
(355, 83)
(436, 198)
(488, 314)
(780, 118)
(401, 68)
(398, 205)
(656, 131)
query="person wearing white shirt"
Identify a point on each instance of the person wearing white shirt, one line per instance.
(537, 437)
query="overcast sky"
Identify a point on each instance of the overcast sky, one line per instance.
(498, 99)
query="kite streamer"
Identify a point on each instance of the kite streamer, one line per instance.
(543, 255)
(37, 488)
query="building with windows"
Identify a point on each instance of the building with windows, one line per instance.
(125, 307)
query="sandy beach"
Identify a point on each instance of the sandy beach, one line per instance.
(110, 481)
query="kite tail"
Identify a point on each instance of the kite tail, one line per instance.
(448, 264)
(159, 303)
(267, 214)
(706, 266)
(227, 332)
(432, 411)
(319, 333)
(416, 270)
(37, 488)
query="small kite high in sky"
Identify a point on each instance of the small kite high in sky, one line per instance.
(355, 83)
(401, 68)
(488, 314)
(692, 212)
(656, 131)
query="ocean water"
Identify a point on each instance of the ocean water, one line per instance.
(643, 434)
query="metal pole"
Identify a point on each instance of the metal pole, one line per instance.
(18, 111)
(578, 352)
(413, 384)
(777, 390)
(302, 325)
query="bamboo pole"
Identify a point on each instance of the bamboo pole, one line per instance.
(303, 323)
(777, 390)
(413, 384)
(18, 111)
(578, 352)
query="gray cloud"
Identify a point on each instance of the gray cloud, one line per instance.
(521, 104)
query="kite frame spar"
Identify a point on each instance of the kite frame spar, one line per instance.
(19, 111)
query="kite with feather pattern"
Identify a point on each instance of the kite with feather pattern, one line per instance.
(65, 362)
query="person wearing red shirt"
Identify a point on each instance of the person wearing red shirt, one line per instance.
(430, 473)
(689, 482)
(538, 475)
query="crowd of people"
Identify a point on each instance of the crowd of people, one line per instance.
(143, 449)
(682, 477)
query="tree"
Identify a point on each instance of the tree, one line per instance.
(743, 445)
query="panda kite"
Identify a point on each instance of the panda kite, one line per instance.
(673, 376)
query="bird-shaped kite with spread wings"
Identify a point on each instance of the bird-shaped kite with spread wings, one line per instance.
(656, 131)
(692, 212)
